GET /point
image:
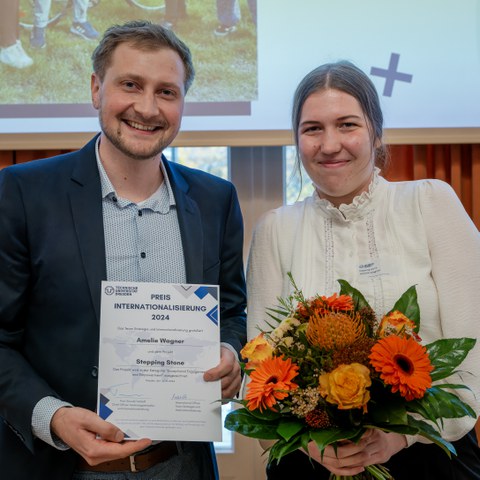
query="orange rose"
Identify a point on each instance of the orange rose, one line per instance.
(346, 386)
(396, 323)
(256, 350)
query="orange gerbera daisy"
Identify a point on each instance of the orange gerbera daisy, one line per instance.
(404, 364)
(339, 302)
(323, 304)
(271, 381)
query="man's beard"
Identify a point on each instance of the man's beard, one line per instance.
(116, 139)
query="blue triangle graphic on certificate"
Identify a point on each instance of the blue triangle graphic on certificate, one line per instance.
(202, 292)
(105, 411)
(213, 315)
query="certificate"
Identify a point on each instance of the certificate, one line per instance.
(156, 341)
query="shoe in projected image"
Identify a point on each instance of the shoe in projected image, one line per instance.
(84, 30)
(15, 56)
(37, 39)
(223, 30)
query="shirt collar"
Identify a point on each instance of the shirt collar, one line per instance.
(156, 201)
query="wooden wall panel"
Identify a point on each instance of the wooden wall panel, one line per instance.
(23, 156)
(456, 169)
(400, 166)
(420, 161)
(6, 158)
(441, 167)
(476, 190)
(11, 157)
(466, 178)
(457, 164)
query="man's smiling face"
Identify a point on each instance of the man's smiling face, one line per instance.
(140, 100)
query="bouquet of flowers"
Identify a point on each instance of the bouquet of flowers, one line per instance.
(328, 370)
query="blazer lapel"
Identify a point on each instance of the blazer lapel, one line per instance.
(86, 204)
(189, 219)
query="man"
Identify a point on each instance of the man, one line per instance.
(115, 210)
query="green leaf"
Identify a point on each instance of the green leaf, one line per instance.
(358, 298)
(326, 437)
(390, 427)
(427, 431)
(243, 422)
(282, 448)
(305, 440)
(447, 354)
(408, 305)
(233, 400)
(438, 403)
(391, 412)
(287, 429)
(268, 415)
(277, 311)
(452, 385)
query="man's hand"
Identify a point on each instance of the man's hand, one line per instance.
(78, 428)
(228, 371)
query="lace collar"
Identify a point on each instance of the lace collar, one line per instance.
(360, 205)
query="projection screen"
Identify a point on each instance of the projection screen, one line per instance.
(423, 57)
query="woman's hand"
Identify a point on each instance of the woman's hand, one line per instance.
(375, 447)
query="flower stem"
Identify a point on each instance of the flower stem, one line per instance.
(372, 472)
(379, 472)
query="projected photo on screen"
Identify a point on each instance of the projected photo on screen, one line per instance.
(60, 35)
(423, 57)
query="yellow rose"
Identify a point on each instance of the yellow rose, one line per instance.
(256, 350)
(346, 386)
(395, 323)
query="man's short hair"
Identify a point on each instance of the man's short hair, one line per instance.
(145, 35)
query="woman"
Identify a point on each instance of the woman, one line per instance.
(382, 238)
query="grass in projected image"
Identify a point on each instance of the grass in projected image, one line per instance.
(226, 65)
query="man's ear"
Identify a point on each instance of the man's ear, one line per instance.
(95, 90)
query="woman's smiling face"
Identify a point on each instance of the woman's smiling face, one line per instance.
(335, 145)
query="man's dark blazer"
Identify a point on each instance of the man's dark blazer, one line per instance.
(52, 262)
